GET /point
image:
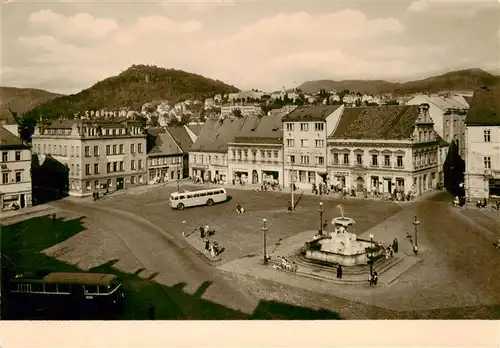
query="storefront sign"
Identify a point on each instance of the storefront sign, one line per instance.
(341, 173)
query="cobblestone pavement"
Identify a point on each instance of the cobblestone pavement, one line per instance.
(456, 267)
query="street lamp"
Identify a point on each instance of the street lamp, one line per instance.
(321, 211)
(291, 188)
(416, 223)
(178, 175)
(264, 230)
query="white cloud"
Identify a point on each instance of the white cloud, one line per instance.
(80, 26)
(199, 5)
(466, 8)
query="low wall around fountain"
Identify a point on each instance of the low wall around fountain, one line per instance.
(344, 260)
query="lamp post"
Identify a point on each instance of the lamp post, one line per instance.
(264, 230)
(291, 188)
(178, 175)
(321, 211)
(370, 256)
(416, 223)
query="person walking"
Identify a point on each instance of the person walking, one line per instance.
(289, 206)
(202, 231)
(207, 246)
(339, 271)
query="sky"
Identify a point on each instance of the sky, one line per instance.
(67, 46)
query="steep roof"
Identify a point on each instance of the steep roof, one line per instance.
(195, 128)
(6, 116)
(9, 140)
(441, 141)
(181, 137)
(484, 108)
(383, 122)
(311, 113)
(163, 143)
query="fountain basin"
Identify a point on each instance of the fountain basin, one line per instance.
(312, 252)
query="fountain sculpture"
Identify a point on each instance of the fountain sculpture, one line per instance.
(340, 246)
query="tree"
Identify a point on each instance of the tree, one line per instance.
(154, 120)
(237, 113)
(454, 171)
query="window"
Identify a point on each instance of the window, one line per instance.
(108, 149)
(122, 166)
(304, 159)
(304, 127)
(132, 165)
(312, 177)
(319, 126)
(5, 178)
(387, 160)
(132, 148)
(140, 164)
(65, 150)
(96, 184)
(346, 158)
(109, 183)
(108, 167)
(399, 161)
(96, 168)
(122, 149)
(87, 169)
(302, 176)
(96, 150)
(290, 142)
(374, 160)
(487, 162)
(359, 159)
(78, 169)
(139, 148)
(132, 179)
(447, 123)
(91, 289)
(5, 156)
(292, 158)
(87, 151)
(487, 135)
(115, 166)
(115, 149)
(141, 178)
(320, 160)
(289, 127)
(19, 176)
(304, 143)
(319, 143)
(88, 185)
(335, 158)
(18, 155)
(78, 151)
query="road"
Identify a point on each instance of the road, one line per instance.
(159, 252)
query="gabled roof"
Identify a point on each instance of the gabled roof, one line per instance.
(9, 140)
(383, 122)
(195, 128)
(441, 141)
(485, 107)
(163, 144)
(6, 116)
(181, 137)
(311, 113)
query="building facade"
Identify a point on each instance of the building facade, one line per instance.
(482, 155)
(99, 155)
(305, 132)
(15, 187)
(384, 148)
(165, 157)
(454, 128)
(246, 109)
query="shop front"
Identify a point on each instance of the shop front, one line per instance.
(340, 178)
(271, 176)
(14, 201)
(240, 176)
(494, 187)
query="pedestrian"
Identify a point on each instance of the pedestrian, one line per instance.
(339, 271)
(202, 231)
(497, 203)
(207, 246)
(289, 206)
(151, 311)
(395, 245)
(375, 278)
(93, 195)
(238, 208)
(207, 230)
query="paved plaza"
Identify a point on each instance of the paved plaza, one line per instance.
(452, 276)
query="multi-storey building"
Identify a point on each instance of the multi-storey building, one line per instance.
(482, 155)
(305, 132)
(384, 148)
(165, 157)
(99, 155)
(256, 155)
(246, 109)
(454, 128)
(15, 185)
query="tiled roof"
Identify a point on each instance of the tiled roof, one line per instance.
(195, 128)
(468, 99)
(163, 144)
(216, 135)
(311, 113)
(441, 141)
(257, 140)
(485, 107)
(9, 140)
(61, 124)
(181, 137)
(383, 122)
(6, 116)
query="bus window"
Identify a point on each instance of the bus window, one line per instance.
(189, 196)
(182, 197)
(36, 287)
(91, 289)
(64, 288)
(210, 193)
(52, 288)
(203, 194)
(175, 198)
(14, 287)
(196, 195)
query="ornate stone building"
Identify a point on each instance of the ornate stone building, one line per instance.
(384, 148)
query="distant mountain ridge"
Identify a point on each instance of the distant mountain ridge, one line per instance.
(469, 79)
(21, 100)
(132, 88)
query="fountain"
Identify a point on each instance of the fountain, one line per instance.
(340, 246)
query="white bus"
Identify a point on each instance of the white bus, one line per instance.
(180, 200)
